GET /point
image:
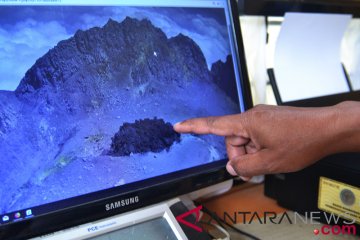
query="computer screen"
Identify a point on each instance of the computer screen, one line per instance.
(90, 91)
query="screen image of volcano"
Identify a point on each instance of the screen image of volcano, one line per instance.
(89, 95)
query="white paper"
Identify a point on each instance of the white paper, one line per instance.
(307, 56)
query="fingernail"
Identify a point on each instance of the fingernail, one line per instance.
(177, 124)
(231, 170)
(244, 178)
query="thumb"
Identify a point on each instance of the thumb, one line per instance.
(250, 165)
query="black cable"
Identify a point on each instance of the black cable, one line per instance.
(221, 222)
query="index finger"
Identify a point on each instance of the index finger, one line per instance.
(222, 126)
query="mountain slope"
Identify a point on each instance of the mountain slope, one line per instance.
(127, 54)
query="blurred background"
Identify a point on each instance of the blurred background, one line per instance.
(262, 23)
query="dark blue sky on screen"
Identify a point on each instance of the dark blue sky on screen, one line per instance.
(27, 33)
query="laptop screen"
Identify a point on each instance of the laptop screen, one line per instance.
(90, 90)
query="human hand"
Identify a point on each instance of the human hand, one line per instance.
(272, 139)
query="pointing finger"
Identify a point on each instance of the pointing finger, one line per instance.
(222, 126)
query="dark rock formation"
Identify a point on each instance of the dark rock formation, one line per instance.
(224, 77)
(147, 135)
(118, 55)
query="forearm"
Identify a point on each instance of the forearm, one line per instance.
(347, 127)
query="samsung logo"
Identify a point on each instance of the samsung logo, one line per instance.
(122, 203)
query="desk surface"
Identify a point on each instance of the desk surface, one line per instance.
(251, 198)
(244, 198)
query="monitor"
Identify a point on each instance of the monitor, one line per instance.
(89, 93)
(152, 222)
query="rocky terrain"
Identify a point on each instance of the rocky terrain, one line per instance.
(221, 73)
(57, 124)
(142, 136)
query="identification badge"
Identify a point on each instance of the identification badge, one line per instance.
(340, 199)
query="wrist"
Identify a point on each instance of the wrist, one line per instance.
(346, 130)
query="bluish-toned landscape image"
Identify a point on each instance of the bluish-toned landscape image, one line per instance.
(88, 96)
